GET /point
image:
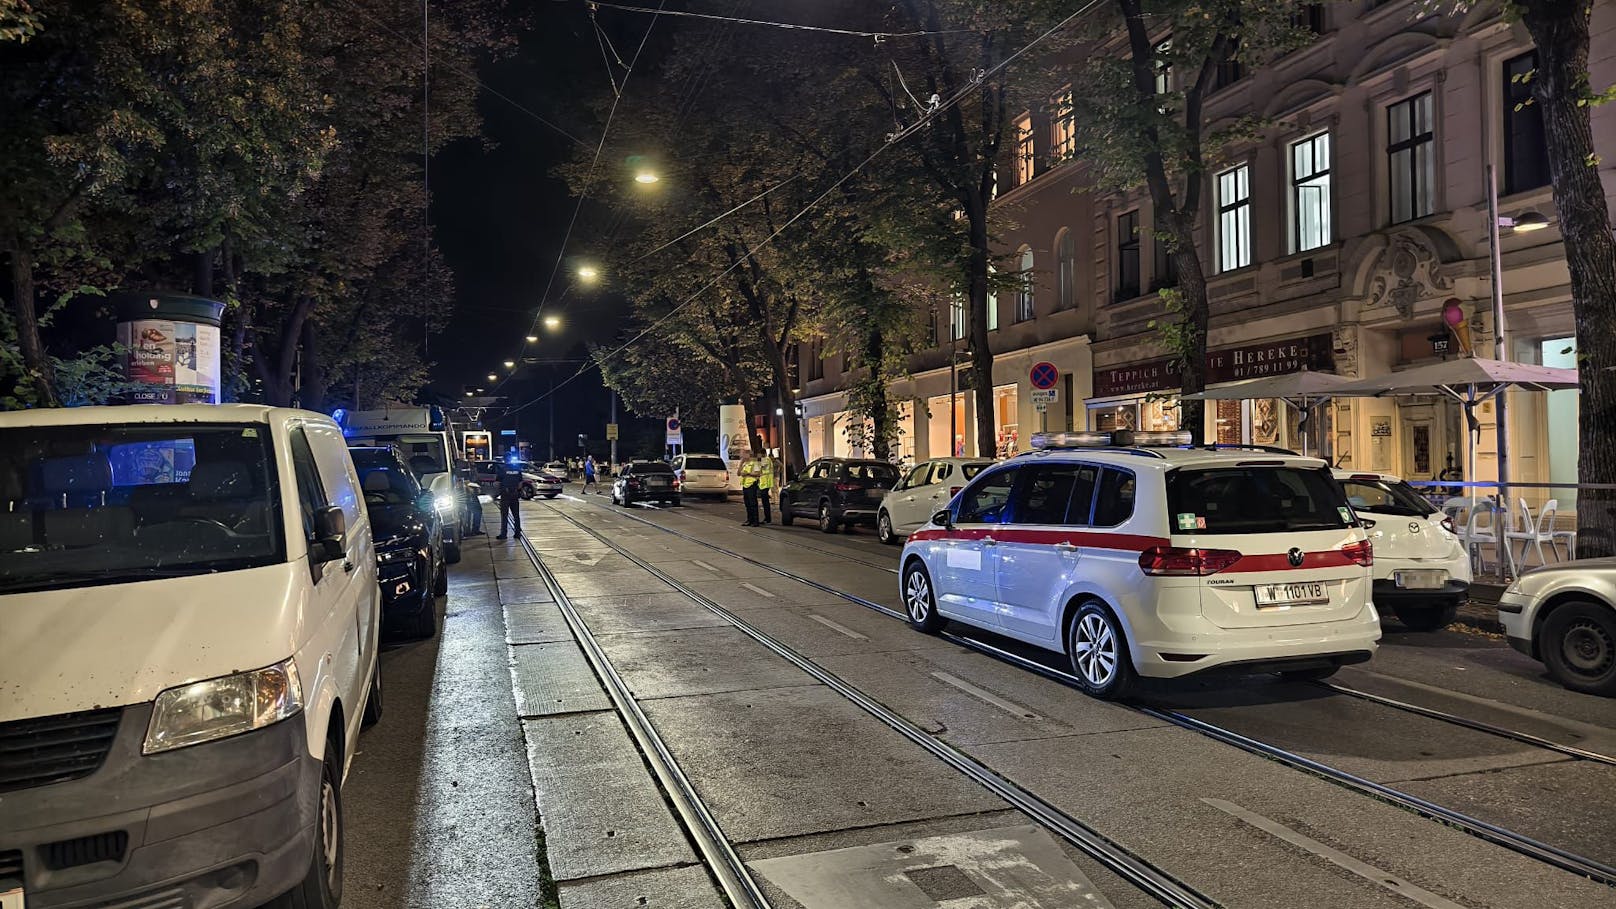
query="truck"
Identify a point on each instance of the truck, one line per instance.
(423, 436)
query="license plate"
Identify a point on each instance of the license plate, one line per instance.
(1298, 594)
(12, 899)
(656, 481)
(1421, 578)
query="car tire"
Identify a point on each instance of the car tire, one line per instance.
(883, 528)
(1426, 618)
(551, 495)
(920, 599)
(1578, 645)
(451, 553)
(424, 624)
(786, 517)
(440, 581)
(527, 493)
(1098, 652)
(321, 887)
(827, 521)
(677, 502)
(373, 701)
(1316, 674)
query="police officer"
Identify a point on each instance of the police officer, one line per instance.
(766, 484)
(510, 499)
(751, 473)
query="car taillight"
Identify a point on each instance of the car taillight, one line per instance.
(1361, 552)
(676, 482)
(1447, 524)
(848, 487)
(1174, 561)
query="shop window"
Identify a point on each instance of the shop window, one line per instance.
(1006, 410)
(1310, 193)
(1411, 158)
(1234, 218)
(1526, 150)
(1228, 422)
(1128, 255)
(1065, 270)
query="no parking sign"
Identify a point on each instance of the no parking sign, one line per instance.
(1043, 377)
(676, 435)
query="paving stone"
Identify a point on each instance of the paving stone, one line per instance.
(524, 590)
(554, 678)
(644, 612)
(666, 888)
(611, 583)
(535, 623)
(697, 661)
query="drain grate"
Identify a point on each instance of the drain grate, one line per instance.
(943, 882)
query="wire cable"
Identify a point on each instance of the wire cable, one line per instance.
(856, 33)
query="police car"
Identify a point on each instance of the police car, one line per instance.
(1138, 560)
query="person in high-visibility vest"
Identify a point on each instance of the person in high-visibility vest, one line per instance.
(751, 472)
(766, 486)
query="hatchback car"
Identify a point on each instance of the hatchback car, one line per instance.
(924, 490)
(1422, 573)
(1162, 562)
(409, 543)
(838, 492)
(702, 474)
(1565, 616)
(646, 481)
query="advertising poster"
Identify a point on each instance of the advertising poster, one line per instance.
(732, 441)
(178, 360)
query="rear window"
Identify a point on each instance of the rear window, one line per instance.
(1386, 497)
(971, 470)
(874, 471)
(704, 464)
(652, 467)
(1255, 500)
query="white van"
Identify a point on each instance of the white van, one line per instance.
(190, 617)
(422, 437)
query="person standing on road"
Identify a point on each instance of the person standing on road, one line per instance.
(751, 473)
(510, 500)
(766, 486)
(589, 473)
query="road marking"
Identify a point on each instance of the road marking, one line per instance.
(1335, 856)
(757, 590)
(985, 695)
(700, 564)
(837, 626)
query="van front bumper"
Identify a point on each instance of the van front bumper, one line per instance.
(222, 824)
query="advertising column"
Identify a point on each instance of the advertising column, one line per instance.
(170, 345)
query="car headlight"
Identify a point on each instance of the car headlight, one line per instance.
(389, 556)
(223, 707)
(444, 503)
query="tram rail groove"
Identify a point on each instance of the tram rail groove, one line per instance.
(1521, 844)
(715, 849)
(1149, 879)
(843, 554)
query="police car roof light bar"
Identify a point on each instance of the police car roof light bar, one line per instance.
(1121, 438)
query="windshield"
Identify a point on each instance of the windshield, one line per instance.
(1255, 499)
(424, 452)
(108, 504)
(1386, 497)
(704, 463)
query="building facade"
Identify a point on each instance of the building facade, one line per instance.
(1332, 242)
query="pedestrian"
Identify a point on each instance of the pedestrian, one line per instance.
(510, 500)
(751, 473)
(472, 496)
(589, 473)
(766, 486)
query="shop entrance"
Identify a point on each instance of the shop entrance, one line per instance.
(1433, 443)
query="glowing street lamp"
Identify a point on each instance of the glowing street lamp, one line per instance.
(588, 274)
(510, 364)
(532, 339)
(646, 176)
(552, 322)
(493, 377)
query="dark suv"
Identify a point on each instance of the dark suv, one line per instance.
(410, 563)
(838, 492)
(646, 481)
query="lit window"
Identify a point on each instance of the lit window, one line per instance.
(1024, 278)
(956, 317)
(1063, 128)
(1411, 158)
(1024, 150)
(1234, 218)
(1310, 193)
(993, 299)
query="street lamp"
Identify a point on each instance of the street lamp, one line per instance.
(588, 274)
(510, 364)
(492, 377)
(552, 322)
(646, 176)
(1525, 222)
(532, 339)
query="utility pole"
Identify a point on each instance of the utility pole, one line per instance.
(552, 456)
(1501, 348)
(614, 420)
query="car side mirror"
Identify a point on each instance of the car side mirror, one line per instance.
(330, 541)
(944, 518)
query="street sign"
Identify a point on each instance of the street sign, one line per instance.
(676, 435)
(1045, 396)
(611, 432)
(1040, 406)
(1043, 375)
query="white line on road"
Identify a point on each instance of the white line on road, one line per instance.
(1335, 856)
(757, 590)
(837, 626)
(700, 564)
(985, 695)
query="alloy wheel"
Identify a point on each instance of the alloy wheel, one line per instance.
(917, 596)
(883, 527)
(1094, 650)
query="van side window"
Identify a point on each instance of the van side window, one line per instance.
(985, 502)
(1044, 494)
(1114, 502)
(310, 494)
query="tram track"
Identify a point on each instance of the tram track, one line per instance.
(1581, 865)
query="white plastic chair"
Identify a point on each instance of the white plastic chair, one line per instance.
(1478, 533)
(1534, 535)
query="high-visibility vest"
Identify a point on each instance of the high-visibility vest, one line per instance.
(766, 478)
(750, 471)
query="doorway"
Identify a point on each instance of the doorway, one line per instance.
(1433, 445)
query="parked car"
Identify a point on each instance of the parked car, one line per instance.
(190, 624)
(923, 491)
(537, 481)
(646, 481)
(1142, 561)
(1565, 616)
(487, 474)
(557, 469)
(838, 492)
(702, 474)
(1422, 571)
(410, 567)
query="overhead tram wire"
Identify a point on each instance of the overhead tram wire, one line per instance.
(851, 32)
(894, 139)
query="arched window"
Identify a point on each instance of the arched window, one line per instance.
(1024, 277)
(1065, 269)
(993, 297)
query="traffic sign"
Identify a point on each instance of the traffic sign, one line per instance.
(1040, 406)
(1045, 396)
(611, 432)
(673, 424)
(1043, 375)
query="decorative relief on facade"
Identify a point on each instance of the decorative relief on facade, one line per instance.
(1407, 271)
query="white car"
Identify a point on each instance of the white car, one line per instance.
(1162, 562)
(1422, 572)
(191, 617)
(702, 474)
(1565, 616)
(924, 490)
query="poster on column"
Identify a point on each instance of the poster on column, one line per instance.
(732, 441)
(177, 362)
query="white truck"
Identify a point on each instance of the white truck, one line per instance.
(423, 437)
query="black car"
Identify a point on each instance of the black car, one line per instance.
(646, 481)
(838, 493)
(409, 543)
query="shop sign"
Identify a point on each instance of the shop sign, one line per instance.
(1229, 364)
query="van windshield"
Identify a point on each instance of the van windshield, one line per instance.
(1255, 499)
(423, 451)
(86, 505)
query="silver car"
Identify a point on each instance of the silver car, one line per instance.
(1565, 616)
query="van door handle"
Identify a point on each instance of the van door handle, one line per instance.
(989, 541)
(348, 566)
(1066, 546)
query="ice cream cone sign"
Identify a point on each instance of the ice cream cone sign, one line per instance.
(1453, 316)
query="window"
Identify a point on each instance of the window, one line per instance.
(1310, 17)
(1164, 67)
(1310, 193)
(816, 361)
(1128, 255)
(1055, 495)
(956, 317)
(1024, 150)
(1229, 69)
(310, 494)
(993, 299)
(1114, 503)
(1063, 127)
(917, 476)
(1234, 218)
(1065, 270)
(1024, 286)
(984, 503)
(1163, 269)
(1411, 160)
(1526, 150)
(1257, 499)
